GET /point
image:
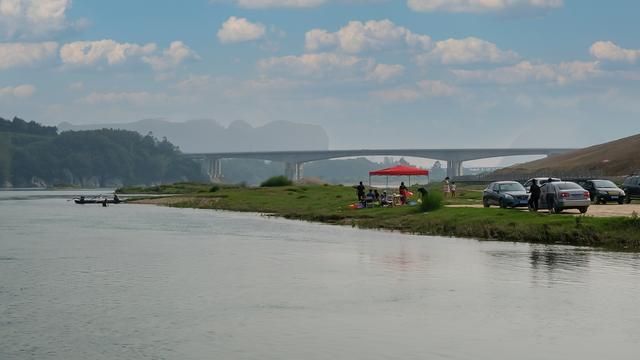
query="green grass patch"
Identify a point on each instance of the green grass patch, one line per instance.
(331, 204)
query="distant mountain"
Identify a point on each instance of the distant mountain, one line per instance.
(210, 136)
(619, 157)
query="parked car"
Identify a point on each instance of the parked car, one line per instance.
(505, 194)
(602, 191)
(541, 181)
(631, 187)
(564, 195)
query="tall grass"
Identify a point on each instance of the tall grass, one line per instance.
(432, 200)
(276, 181)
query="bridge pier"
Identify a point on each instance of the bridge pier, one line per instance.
(454, 168)
(214, 169)
(293, 171)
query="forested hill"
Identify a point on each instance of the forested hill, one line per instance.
(35, 155)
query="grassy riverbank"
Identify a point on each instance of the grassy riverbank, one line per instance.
(330, 204)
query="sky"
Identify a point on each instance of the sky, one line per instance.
(372, 73)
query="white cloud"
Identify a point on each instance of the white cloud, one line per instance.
(317, 65)
(357, 36)
(607, 50)
(132, 98)
(423, 89)
(526, 71)
(332, 66)
(261, 4)
(385, 72)
(240, 29)
(171, 57)
(33, 17)
(97, 52)
(397, 95)
(436, 88)
(20, 91)
(467, 51)
(25, 54)
(480, 6)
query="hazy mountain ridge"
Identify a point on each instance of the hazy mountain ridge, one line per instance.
(209, 136)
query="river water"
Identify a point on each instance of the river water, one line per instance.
(145, 282)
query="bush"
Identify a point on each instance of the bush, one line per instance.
(432, 201)
(276, 181)
(214, 188)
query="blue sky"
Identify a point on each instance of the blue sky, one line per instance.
(373, 73)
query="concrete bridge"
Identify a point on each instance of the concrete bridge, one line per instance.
(294, 160)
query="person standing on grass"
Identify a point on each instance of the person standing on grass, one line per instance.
(403, 193)
(453, 189)
(534, 190)
(360, 191)
(446, 189)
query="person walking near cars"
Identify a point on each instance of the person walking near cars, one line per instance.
(550, 198)
(534, 196)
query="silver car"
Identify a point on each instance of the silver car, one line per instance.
(563, 195)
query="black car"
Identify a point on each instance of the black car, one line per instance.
(603, 191)
(631, 187)
(505, 194)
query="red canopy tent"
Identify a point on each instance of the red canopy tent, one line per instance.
(400, 170)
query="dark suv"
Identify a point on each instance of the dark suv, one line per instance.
(602, 191)
(631, 187)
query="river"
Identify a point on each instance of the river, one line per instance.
(145, 282)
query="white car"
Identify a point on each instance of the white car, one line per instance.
(558, 196)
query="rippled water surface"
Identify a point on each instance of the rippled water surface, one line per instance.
(144, 282)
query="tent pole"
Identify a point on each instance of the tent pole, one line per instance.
(369, 180)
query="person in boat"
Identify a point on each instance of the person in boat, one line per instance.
(81, 199)
(104, 202)
(116, 199)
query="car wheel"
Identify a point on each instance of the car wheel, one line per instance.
(583, 210)
(502, 204)
(627, 199)
(621, 201)
(485, 203)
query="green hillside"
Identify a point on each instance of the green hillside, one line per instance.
(34, 155)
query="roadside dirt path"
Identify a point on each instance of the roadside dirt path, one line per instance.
(594, 210)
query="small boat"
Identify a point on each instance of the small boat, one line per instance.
(96, 200)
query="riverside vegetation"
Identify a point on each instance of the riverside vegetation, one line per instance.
(36, 155)
(330, 204)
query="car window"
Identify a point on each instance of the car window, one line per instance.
(604, 184)
(568, 186)
(511, 187)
